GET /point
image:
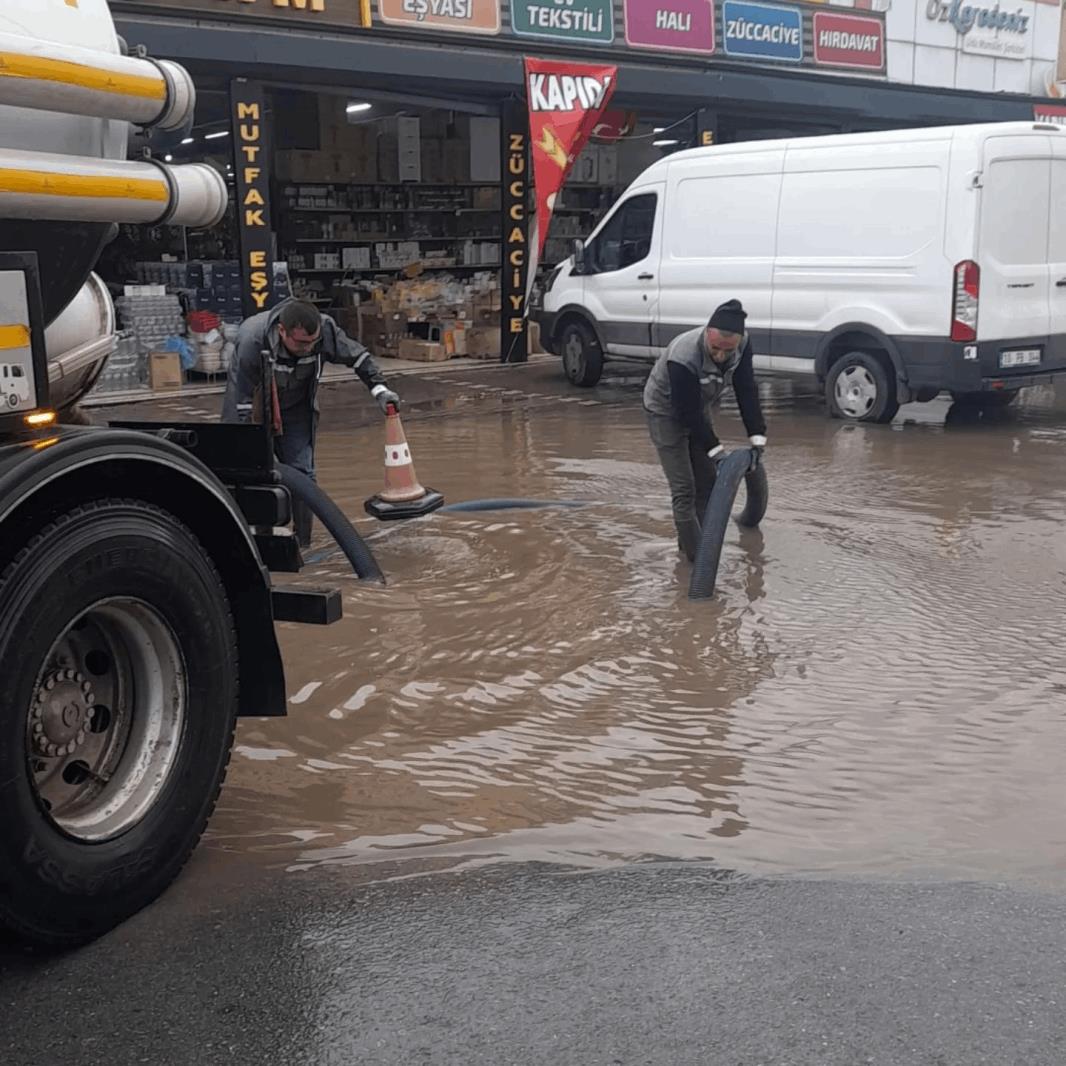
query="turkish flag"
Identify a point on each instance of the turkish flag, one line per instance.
(565, 103)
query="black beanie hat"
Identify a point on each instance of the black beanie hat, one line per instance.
(729, 318)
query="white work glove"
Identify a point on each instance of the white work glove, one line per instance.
(385, 396)
(758, 444)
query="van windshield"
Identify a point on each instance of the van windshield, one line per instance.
(626, 238)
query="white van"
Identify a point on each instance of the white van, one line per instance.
(893, 266)
(14, 386)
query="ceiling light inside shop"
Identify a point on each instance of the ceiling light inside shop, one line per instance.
(355, 108)
(213, 136)
(663, 144)
(659, 129)
(189, 140)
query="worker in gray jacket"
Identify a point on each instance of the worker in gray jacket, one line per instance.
(301, 340)
(687, 378)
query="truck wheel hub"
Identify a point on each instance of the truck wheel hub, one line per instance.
(63, 713)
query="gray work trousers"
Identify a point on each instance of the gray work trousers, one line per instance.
(690, 475)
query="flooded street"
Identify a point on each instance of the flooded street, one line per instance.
(876, 689)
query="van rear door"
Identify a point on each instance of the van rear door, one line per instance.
(1012, 252)
(1056, 255)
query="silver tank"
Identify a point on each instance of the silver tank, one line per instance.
(68, 98)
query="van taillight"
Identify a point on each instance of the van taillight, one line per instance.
(964, 307)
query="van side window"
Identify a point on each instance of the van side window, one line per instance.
(16, 372)
(626, 238)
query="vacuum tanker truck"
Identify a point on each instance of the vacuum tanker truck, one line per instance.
(137, 611)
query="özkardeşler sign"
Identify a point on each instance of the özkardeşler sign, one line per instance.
(763, 31)
(564, 20)
(985, 29)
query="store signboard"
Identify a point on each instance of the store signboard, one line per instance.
(564, 20)
(671, 25)
(1054, 113)
(987, 29)
(251, 164)
(463, 16)
(849, 41)
(515, 272)
(308, 12)
(762, 31)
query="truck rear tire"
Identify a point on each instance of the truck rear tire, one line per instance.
(117, 715)
(860, 388)
(581, 353)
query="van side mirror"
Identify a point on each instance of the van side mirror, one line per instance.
(579, 256)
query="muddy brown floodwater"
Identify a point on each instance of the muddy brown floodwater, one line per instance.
(877, 688)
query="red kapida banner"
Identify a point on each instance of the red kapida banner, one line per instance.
(565, 101)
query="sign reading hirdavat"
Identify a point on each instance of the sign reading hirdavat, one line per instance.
(986, 29)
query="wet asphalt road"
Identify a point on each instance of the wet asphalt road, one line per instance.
(247, 960)
(670, 964)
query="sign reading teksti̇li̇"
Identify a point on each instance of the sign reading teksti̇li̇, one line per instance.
(564, 20)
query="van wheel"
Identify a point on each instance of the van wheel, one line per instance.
(581, 353)
(860, 388)
(116, 716)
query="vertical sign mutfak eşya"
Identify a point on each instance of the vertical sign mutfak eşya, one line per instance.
(251, 158)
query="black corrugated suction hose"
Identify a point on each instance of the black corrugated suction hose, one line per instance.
(735, 468)
(335, 521)
(508, 504)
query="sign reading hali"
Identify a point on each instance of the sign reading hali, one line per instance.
(671, 25)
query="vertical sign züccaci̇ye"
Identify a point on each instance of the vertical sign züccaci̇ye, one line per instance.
(250, 162)
(515, 267)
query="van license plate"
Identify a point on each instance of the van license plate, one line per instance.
(1027, 357)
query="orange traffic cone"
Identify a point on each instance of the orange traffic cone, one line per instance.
(403, 496)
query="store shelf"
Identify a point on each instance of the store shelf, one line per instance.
(386, 270)
(392, 210)
(288, 183)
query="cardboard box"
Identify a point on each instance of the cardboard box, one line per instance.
(482, 343)
(422, 351)
(164, 370)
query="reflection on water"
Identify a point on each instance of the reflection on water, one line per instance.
(876, 689)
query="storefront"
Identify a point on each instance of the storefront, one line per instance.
(382, 117)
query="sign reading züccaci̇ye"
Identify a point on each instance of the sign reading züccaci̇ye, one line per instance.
(762, 31)
(985, 29)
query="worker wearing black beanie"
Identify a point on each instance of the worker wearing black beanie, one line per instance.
(685, 381)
